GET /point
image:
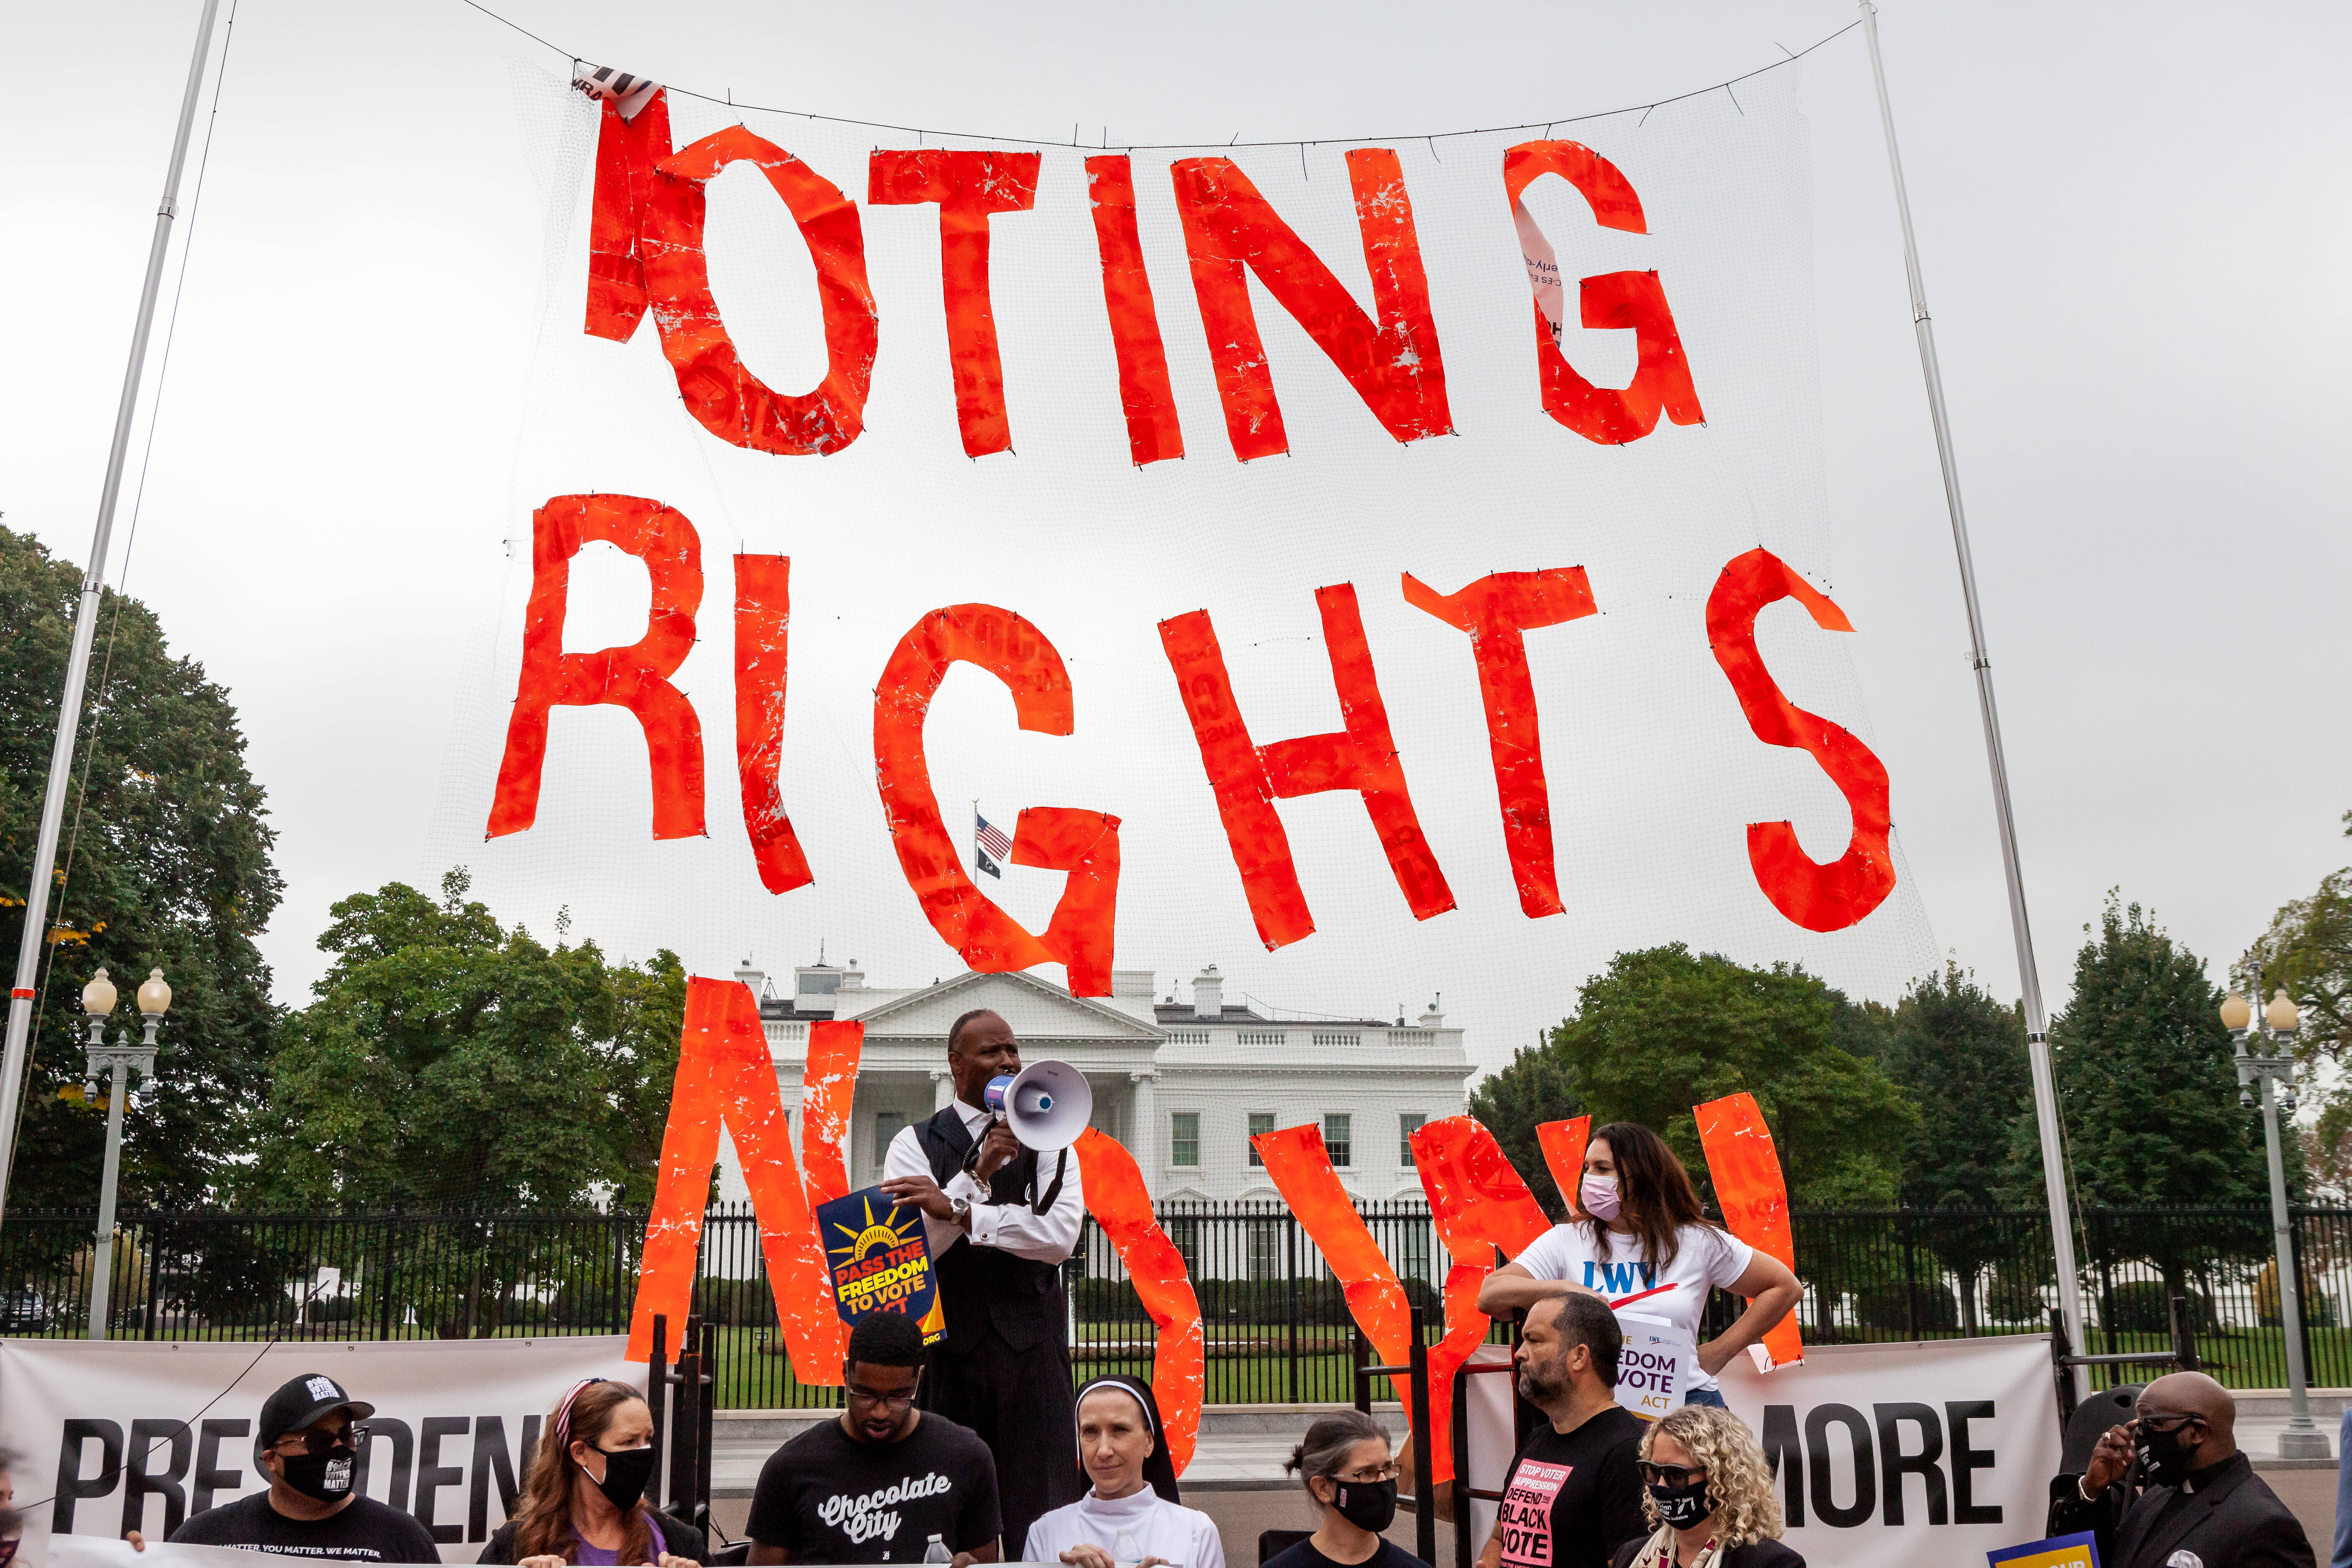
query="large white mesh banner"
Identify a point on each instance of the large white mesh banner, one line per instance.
(1649, 761)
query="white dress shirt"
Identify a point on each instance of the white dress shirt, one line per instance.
(1048, 1238)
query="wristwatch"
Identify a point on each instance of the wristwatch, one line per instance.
(958, 1211)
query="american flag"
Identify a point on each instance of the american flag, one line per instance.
(989, 845)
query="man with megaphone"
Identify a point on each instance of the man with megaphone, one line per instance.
(1002, 1206)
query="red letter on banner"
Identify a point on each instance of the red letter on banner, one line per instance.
(1817, 897)
(991, 940)
(626, 152)
(1478, 1203)
(763, 615)
(1121, 1204)
(1152, 431)
(828, 1083)
(1300, 1168)
(1395, 367)
(724, 1075)
(1755, 1197)
(1495, 610)
(1469, 1178)
(1563, 1152)
(730, 402)
(1626, 300)
(969, 187)
(635, 677)
(1248, 778)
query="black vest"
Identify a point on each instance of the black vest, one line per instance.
(985, 1287)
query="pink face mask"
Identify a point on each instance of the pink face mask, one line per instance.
(1597, 1195)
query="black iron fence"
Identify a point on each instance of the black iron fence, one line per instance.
(1277, 1327)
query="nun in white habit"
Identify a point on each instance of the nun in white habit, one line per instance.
(1131, 1514)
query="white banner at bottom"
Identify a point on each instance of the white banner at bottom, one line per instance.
(1927, 1453)
(89, 1551)
(122, 1435)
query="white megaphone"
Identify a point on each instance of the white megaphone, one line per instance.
(1047, 1105)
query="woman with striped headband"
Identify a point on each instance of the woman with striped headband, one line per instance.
(583, 1498)
(1132, 1513)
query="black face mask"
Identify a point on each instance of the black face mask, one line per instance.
(2162, 1460)
(1681, 1507)
(1367, 1505)
(326, 1477)
(625, 1475)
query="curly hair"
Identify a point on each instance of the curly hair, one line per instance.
(1738, 1484)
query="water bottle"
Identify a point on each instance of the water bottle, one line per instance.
(936, 1551)
(1125, 1549)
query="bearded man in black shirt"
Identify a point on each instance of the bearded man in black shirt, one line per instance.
(1574, 1493)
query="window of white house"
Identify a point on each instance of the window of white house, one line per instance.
(1184, 1138)
(1408, 1123)
(1265, 1253)
(1335, 1141)
(887, 1124)
(1259, 1121)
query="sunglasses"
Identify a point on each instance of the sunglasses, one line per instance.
(319, 1445)
(1672, 1475)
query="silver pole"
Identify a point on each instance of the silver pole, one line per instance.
(53, 805)
(101, 1271)
(2300, 1439)
(2029, 977)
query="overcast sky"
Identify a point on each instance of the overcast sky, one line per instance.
(2134, 221)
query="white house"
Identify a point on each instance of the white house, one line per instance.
(1183, 1084)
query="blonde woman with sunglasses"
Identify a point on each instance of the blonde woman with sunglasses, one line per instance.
(1707, 1496)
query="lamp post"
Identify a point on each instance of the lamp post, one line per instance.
(2266, 1054)
(117, 1062)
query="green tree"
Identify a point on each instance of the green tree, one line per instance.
(2150, 1098)
(1664, 1029)
(1535, 1087)
(2308, 952)
(447, 1062)
(1960, 1055)
(165, 864)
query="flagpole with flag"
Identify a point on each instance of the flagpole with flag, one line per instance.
(990, 848)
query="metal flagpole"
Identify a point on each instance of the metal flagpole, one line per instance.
(53, 805)
(2037, 1022)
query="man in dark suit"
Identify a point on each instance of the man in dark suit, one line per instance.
(1001, 1220)
(2201, 1504)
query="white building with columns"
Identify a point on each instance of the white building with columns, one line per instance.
(1182, 1081)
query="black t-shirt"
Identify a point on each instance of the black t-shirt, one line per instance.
(1304, 1555)
(1573, 1499)
(364, 1529)
(827, 1498)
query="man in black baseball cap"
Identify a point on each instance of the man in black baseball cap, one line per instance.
(308, 1444)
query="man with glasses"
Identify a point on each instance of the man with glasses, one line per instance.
(2200, 1505)
(1574, 1493)
(883, 1481)
(308, 1446)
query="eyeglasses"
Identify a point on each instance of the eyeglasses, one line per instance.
(1672, 1475)
(2163, 1423)
(319, 1445)
(1370, 1477)
(887, 1401)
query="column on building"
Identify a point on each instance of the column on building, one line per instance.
(1143, 1137)
(942, 1088)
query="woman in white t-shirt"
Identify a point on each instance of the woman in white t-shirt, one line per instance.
(1640, 1244)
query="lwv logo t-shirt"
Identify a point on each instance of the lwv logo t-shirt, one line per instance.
(1704, 1259)
(827, 1498)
